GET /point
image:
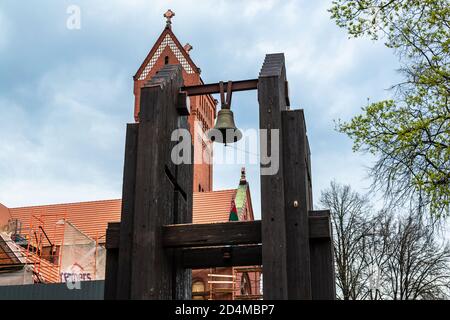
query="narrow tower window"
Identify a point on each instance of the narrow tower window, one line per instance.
(166, 60)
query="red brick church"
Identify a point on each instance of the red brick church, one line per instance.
(65, 242)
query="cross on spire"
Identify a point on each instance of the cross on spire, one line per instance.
(169, 15)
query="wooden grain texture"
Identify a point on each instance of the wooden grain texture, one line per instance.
(201, 235)
(212, 234)
(112, 261)
(111, 270)
(152, 270)
(319, 226)
(225, 256)
(297, 204)
(182, 281)
(127, 215)
(323, 279)
(271, 98)
(113, 235)
(147, 254)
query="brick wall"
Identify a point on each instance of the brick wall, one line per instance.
(202, 110)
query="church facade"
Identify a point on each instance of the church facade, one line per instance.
(65, 242)
(168, 50)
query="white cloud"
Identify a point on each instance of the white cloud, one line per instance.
(74, 150)
(254, 7)
(66, 143)
(5, 30)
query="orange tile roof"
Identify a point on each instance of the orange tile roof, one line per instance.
(89, 217)
(211, 207)
(48, 272)
(92, 217)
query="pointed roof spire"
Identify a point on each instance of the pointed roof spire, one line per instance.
(169, 15)
(243, 178)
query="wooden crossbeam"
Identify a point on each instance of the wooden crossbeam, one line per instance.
(218, 234)
(212, 234)
(224, 256)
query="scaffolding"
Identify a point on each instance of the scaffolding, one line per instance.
(220, 285)
(83, 259)
(244, 283)
(54, 249)
(248, 284)
(42, 250)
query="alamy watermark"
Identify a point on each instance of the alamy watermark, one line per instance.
(268, 155)
(73, 22)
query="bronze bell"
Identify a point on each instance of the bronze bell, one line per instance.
(225, 130)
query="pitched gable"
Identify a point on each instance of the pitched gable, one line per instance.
(166, 40)
(168, 46)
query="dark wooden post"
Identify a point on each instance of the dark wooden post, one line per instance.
(272, 100)
(294, 266)
(297, 196)
(323, 276)
(156, 192)
(182, 215)
(152, 270)
(126, 226)
(112, 263)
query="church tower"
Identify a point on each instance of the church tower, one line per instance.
(168, 50)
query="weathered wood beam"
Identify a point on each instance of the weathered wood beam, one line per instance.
(112, 261)
(153, 275)
(212, 234)
(271, 98)
(319, 226)
(242, 85)
(297, 204)
(126, 226)
(229, 233)
(323, 276)
(113, 235)
(218, 234)
(225, 256)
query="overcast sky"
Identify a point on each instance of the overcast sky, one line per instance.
(66, 95)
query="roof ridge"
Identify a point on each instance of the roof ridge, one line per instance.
(66, 203)
(232, 189)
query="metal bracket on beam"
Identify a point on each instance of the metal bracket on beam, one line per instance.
(184, 104)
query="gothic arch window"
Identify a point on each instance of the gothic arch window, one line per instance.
(246, 287)
(198, 290)
(166, 60)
